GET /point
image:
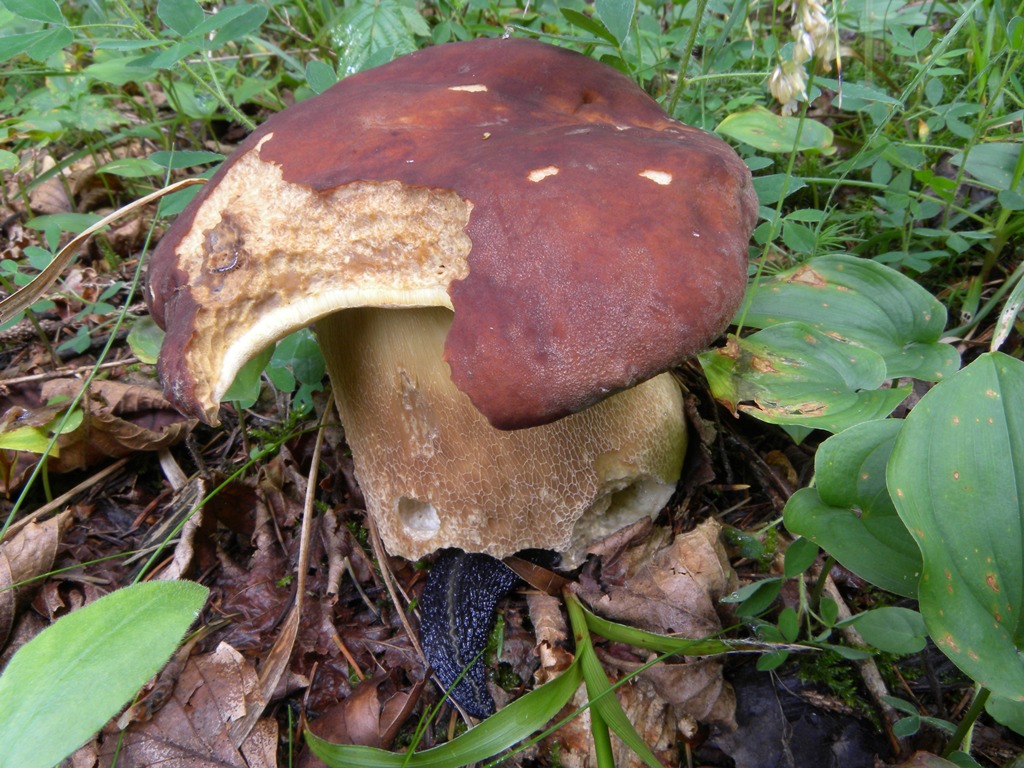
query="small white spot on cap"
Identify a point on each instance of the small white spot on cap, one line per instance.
(474, 88)
(539, 174)
(658, 177)
(695, 234)
(263, 141)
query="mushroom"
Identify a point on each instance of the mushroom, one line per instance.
(504, 246)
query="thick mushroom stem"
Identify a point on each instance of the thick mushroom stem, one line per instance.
(436, 474)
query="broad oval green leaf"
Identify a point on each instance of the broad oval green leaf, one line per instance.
(848, 512)
(145, 339)
(617, 16)
(865, 303)
(320, 76)
(764, 130)
(37, 10)
(182, 16)
(955, 476)
(891, 629)
(246, 21)
(1008, 713)
(773, 186)
(120, 70)
(13, 45)
(65, 683)
(792, 374)
(49, 42)
(993, 164)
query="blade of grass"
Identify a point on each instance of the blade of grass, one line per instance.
(508, 727)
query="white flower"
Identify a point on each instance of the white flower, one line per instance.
(813, 38)
(787, 82)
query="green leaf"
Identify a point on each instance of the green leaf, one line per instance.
(1015, 33)
(510, 725)
(245, 389)
(862, 302)
(955, 476)
(603, 701)
(591, 25)
(8, 160)
(789, 624)
(1008, 316)
(320, 76)
(120, 70)
(182, 16)
(617, 16)
(145, 339)
(768, 132)
(848, 512)
(131, 168)
(245, 20)
(755, 598)
(1010, 200)
(48, 43)
(639, 638)
(793, 374)
(829, 611)
(772, 187)
(35, 439)
(992, 164)
(185, 158)
(36, 10)
(299, 354)
(71, 678)
(856, 96)
(800, 556)
(365, 31)
(770, 661)
(891, 629)
(1006, 712)
(14, 45)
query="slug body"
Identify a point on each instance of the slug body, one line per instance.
(456, 620)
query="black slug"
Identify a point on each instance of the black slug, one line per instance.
(456, 619)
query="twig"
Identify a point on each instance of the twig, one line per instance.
(69, 372)
(868, 669)
(64, 498)
(281, 652)
(389, 584)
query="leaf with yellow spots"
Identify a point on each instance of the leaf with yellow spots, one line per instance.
(862, 302)
(955, 476)
(794, 375)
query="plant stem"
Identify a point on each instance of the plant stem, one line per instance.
(967, 722)
(819, 585)
(684, 59)
(991, 304)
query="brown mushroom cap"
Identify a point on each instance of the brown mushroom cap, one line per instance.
(584, 240)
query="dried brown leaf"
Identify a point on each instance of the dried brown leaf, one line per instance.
(193, 730)
(120, 419)
(672, 587)
(551, 633)
(669, 587)
(26, 555)
(49, 197)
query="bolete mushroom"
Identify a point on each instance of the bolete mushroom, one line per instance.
(503, 245)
